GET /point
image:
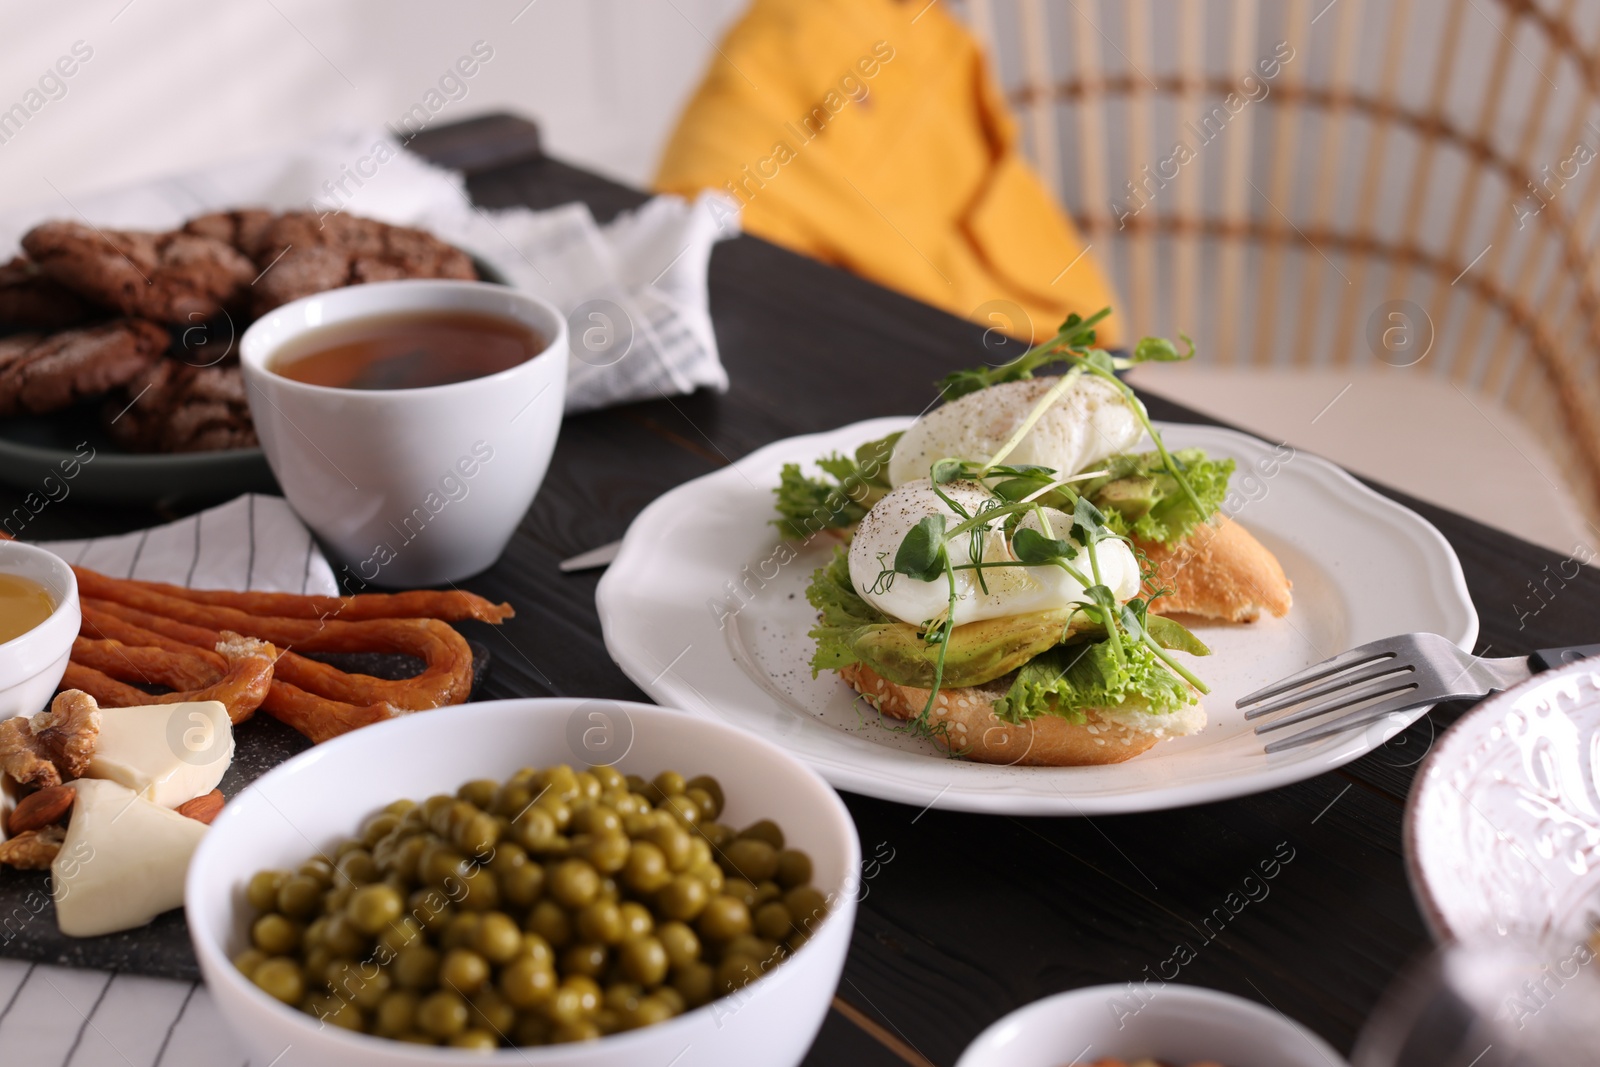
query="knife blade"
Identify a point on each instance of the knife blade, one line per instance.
(595, 557)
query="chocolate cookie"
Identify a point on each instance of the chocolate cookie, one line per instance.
(40, 373)
(30, 301)
(176, 407)
(245, 230)
(304, 253)
(170, 277)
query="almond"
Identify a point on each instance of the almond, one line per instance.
(38, 810)
(203, 809)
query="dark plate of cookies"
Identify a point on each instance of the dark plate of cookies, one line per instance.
(118, 348)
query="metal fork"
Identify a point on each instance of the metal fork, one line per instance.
(1399, 673)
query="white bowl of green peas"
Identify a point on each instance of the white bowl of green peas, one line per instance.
(585, 883)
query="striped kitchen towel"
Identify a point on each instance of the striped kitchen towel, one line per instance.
(65, 1017)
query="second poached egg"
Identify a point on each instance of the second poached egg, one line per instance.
(1011, 590)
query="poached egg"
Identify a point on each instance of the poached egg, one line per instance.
(1011, 590)
(1089, 423)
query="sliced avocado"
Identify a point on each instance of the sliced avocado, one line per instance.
(1167, 633)
(979, 651)
(1175, 636)
(1133, 496)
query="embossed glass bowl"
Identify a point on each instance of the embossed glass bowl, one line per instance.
(1502, 830)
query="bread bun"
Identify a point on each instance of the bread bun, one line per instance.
(1219, 572)
(973, 730)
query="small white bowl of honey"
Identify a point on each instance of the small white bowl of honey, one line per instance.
(39, 617)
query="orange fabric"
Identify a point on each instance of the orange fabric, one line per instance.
(870, 134)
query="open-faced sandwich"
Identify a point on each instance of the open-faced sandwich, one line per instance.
(1011, 563)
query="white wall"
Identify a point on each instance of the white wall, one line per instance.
(172, 83)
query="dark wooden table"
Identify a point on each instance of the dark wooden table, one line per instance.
(968, 916)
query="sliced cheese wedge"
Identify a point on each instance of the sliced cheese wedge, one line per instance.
(167, 753)
(123, 861)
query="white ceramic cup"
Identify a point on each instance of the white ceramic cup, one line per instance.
(409, 486)
(31, 664)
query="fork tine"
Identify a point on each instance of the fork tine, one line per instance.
(1357, 656)
(1388, 687)
(1360, 717)
(1342, 682)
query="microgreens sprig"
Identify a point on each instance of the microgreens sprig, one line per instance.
(1073, 344)
(1075, 333)
(1100, 364)
(1089, 528)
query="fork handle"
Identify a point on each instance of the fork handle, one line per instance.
(1548, 659)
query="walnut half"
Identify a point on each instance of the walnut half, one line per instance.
(33, 850)
(53, 744)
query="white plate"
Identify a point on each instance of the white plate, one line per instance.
(704, 608)
(1502, 831)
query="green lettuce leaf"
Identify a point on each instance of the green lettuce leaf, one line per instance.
(1074, 677)
(806, 506)
(1140, 498)
(841, 611)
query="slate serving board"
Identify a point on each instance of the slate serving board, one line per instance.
(28, 916)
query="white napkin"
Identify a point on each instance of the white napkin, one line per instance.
(251, 542)
(634, 290)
